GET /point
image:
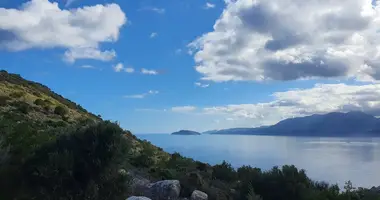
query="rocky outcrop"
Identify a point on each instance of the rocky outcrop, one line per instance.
(198, 195)
(164, 190)
(138, 198)
(140, 185)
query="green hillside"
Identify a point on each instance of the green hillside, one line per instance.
(53, 149)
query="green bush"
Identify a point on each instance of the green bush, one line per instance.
(60, 110)
(17, 94)
(4, 100)
(224, 172)
(39, 102)
(83, 164)
(21, 106)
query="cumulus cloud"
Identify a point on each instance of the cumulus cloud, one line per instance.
(183, 108)
(153, 35)
(141, 96)
(209, 5)
(290, 39)
(149, 72)
(198, 84)
(320, 99)
(42, 24)
(88, 53)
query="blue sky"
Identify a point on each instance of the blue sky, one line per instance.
(164, 65)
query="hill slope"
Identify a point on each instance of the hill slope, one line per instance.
(332, 124)
(26, 101)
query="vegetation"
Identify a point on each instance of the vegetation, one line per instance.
(43, 156)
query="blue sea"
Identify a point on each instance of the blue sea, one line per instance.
(334, 160)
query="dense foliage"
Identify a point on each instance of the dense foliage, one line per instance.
(46, 155)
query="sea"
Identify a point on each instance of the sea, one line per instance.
(331, 159)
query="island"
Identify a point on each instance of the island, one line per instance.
(185, 132)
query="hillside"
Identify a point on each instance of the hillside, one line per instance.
(26, 101)
(52, 148)
(332, 124)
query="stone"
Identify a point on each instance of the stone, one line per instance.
(164, 190)
(138, 198)
(198, 195)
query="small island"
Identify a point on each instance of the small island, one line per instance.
(185, 132)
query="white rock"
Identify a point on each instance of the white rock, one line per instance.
(138, 198)
(198, 195)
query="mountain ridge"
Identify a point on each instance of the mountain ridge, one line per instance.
(352, 123)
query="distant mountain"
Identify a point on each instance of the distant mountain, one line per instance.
(210, 132)
(185, 132)
(353, 123)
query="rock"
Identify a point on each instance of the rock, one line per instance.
(140, 186)
(164, 190)
(123, 172)
(138, 198)
(198, 195)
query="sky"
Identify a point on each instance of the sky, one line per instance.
(158, 66)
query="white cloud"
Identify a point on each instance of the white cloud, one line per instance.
(209, 5)
(154, 9)
(178, 51)
(141, 96)
(87, 67)
(129, 70)
(322, 98)
(147, 71)
(88, 53)
(69, 2)
(290, 39)
(118, 67)
(153, 35)
(183, 108)
(42, 24)
(153, 92)
(201, 85)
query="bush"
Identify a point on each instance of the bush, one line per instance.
(17, 94)
(84, 164)
(224, 172)
(60, 110)
(21, 106)
(39, 102)
(4, 100)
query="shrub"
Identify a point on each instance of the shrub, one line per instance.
(60, 110)
(17, 94)
(21, 106)
(84, 164)
(39, 102)
(224, 172)
(4, 100)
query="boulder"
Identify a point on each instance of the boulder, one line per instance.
(140, 185)
(164, 190)
(198, 195)
(138, 198)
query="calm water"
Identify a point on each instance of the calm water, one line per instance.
(334, 160)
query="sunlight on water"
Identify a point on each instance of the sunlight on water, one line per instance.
(335, 160)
